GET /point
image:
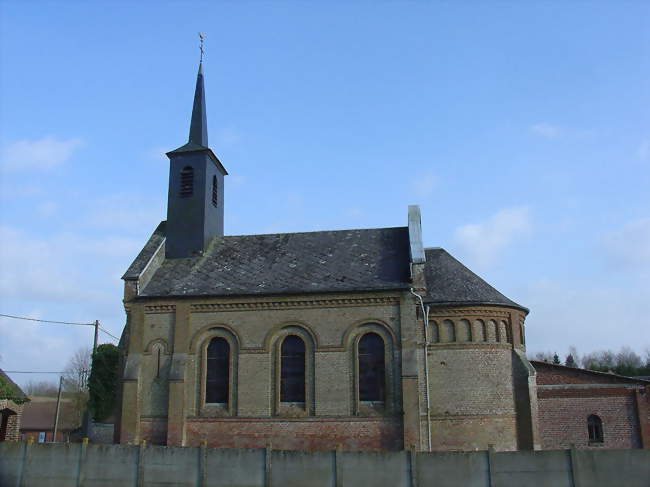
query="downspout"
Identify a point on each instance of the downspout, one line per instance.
(425, 315)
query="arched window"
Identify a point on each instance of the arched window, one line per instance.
(215, 191)
(595, 428)
(218, 371)
(187, 182)
(372, 369)
(292, 369)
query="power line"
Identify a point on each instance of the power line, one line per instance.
(113, 336)
(47, 321)
(31, 372)
(59, 323)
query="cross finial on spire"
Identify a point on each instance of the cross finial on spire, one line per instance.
(202, 36)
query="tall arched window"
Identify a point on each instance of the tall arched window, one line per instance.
(215, 191)
(372, 369)
(595, 428)
(218, 371)
(187, 182)
(292, 369)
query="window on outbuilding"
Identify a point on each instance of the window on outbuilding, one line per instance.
(187, 182)
(372, 369)
(595, 428)
(218, 371)
(292, 369)
(215, 191)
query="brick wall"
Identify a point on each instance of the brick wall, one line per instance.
(13, 423)
(568, 396)
(563, 418)
(316, 434)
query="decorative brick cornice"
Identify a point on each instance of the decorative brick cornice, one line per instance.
(311, 303)
(160, 308)
(469, 312)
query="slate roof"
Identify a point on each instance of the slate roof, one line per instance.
(451, 283)
(147, 252)
(287, 263)
(295, 263)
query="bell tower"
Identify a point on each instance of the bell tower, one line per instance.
(196, 188)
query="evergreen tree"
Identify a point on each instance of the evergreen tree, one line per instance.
(556, 359)
(570, 362)
(102, 383)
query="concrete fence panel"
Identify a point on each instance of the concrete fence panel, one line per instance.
(388, 468)
(538, 468)
(452, 469)
(12, 455)
(162, 466)
(235, 468)
(88, 465)
(108, 465)
(302, 469)
(604, 468)
(52, 466)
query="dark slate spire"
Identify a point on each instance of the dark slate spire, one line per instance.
(199, 125)
(196, 187)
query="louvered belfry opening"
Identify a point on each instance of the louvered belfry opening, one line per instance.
(187, 182)
(215, 191)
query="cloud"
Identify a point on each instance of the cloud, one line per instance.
(45, 153)
(424, 185)
(482, 243)
(629, 246)
(59, 268)
(546, 130)
(590, 315)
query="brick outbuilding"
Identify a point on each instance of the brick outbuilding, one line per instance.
(591, 409)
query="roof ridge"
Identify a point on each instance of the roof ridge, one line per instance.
(311, 232)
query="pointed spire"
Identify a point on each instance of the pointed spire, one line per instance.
(199, 125)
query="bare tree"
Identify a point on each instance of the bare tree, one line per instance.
(543, 356)
(75, 382)
(77, 370)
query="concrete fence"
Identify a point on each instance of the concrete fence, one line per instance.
(86, 465)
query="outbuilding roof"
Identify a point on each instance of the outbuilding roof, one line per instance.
(373, 259)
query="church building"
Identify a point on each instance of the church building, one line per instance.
(357, 339)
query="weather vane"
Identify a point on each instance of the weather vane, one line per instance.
(202, 36)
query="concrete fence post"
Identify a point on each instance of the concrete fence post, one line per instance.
(337, 466)
(575, 469)
(490, 457)
(413, 466)
(267, 465)
(28, 444)
(81, 471)
(139, 481)
(203, 461)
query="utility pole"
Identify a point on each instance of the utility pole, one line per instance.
(58, 408)
(89, 412)
(96, 336)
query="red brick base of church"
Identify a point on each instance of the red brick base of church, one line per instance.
(367, 434)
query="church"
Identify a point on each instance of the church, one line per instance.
(359, 339)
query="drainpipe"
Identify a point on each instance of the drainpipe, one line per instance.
(425, 314)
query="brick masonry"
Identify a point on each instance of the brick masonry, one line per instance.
(567, 397)
(15, 412)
